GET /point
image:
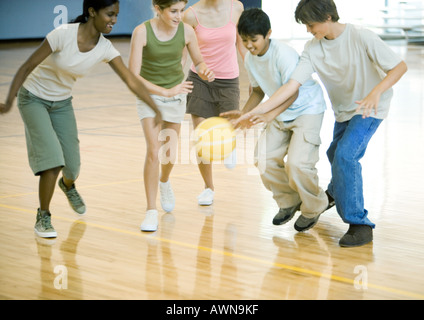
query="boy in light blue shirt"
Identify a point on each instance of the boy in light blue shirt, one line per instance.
(293, 129)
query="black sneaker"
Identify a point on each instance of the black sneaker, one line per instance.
(356, 236)
(331, 201)
(285, 215)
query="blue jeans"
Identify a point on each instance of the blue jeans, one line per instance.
(350, 140)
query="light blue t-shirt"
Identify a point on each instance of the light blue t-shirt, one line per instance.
(273, 69)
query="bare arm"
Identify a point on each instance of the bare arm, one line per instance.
(138, 41)
(254, 100)
(240, 47)
(135, 85)
(193, 49)
(271, 115)
(24, 71)
(238, 10)
(279, 98)
(372, 100)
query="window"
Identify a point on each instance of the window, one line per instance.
(284, 25)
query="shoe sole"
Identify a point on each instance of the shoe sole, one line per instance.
(80, 213)
(359, 244)
(354, 245)
(46, 234)
(299, 229)
(148, 229)
(205, 203)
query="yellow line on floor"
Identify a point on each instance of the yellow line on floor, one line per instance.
(234, 255)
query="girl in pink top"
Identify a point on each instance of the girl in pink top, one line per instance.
(214, 22)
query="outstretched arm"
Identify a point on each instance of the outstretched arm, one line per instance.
(271, 115)
(254, 100)
(279, 98)
(24, 71)
(135, 85)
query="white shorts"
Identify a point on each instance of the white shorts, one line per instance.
(173, 109)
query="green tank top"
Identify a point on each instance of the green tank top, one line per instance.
(161, 63)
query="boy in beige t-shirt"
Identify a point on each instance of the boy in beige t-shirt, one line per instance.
(358, 70)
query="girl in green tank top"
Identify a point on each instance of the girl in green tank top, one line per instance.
(158, 65)
(156, 58)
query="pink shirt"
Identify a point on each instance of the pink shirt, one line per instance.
(218, 48)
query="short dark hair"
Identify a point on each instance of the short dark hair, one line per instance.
(253, 21)
(311, 11)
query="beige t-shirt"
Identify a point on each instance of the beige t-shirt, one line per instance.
(54, 78)
(349, 66)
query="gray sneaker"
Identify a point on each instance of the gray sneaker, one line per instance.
(302, 223)
(74, 198)
(285, 215)
(43, 226)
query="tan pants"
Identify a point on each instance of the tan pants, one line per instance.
(295, 180)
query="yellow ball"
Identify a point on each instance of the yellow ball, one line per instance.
(215, 139)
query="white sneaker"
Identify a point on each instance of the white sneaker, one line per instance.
(167, 199)
(206, 197)
(231, 161)
(150, 222)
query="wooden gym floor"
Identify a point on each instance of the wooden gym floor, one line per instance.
(230, 250)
